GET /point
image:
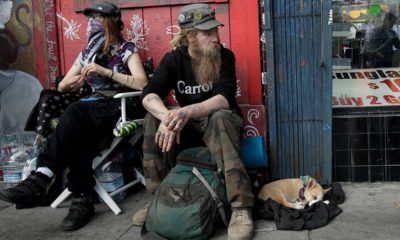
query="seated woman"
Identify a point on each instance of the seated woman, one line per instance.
(108, 65)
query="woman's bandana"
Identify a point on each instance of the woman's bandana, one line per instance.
(95, 39)
(94, 26)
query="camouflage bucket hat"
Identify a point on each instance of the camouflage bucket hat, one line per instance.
(199, 16)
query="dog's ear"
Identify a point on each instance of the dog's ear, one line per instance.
(326, 190)
(311, 183)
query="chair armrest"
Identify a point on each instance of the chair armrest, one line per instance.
(127, 94)
(123, 97)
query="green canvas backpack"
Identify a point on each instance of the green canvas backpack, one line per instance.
(184, 207)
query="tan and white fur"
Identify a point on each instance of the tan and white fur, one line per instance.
(286, 192)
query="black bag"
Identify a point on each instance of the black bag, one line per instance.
(48, 94)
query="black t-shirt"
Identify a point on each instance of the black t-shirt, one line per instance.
(175, 72)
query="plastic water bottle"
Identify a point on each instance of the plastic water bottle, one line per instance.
(125, 129)
(29, 166)
(111, 178)
(12, 169)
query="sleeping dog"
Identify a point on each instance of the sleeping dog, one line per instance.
(294, 193)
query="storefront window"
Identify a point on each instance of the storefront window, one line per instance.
(366, 53)
(366, 90)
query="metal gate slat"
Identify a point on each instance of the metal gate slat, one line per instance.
(300, 89)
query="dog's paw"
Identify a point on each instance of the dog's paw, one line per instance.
(326, 202)
(300, 205)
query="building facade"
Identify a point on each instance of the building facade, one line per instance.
(333, 83)
(315, 78)
(365, 97)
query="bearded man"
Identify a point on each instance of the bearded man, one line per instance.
(202, 73)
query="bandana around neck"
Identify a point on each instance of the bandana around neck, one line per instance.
(93, 27)
(95, 35)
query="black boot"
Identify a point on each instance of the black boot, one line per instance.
(31, 192)
(80, 212)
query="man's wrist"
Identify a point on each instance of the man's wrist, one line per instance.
(194, 110)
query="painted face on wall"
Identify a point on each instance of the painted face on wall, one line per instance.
(5, 12)
(9, 48)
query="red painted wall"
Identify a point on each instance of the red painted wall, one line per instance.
(157, 21)
(16, 37)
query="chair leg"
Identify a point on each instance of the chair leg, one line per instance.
(106, 198)
(102, 193)
(64, 195)
(139, 176)
(105, 153)
(100, 190)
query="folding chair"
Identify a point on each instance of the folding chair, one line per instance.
(101, 157)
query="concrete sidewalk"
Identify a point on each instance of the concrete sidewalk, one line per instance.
(369, 212)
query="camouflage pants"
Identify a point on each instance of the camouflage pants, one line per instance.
(220, 132)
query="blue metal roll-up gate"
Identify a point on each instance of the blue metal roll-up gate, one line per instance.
(299, 87)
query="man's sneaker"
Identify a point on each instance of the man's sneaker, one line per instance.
(80, 212)
(31, 192)
(140, 216)
(241, 224)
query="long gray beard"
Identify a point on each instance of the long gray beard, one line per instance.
(207, 65)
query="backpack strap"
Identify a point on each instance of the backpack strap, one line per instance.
(213, 194)
(194, 163)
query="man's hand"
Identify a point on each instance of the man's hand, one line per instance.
(165, 138)
(176, 119)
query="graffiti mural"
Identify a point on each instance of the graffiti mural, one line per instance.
(5, 12)
(251, 129)
(239, 89)
(138, 31)
(173, 30)
(17, 21)
(70, 31)
(19, 90)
